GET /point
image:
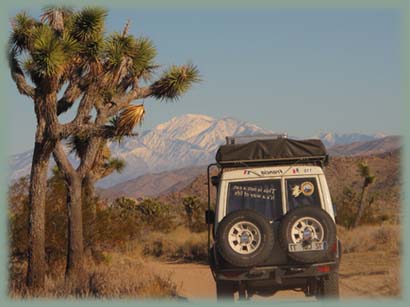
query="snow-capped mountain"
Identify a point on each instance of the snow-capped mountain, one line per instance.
(180, 142)
(187, 140)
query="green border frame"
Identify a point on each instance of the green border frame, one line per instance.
(402, 5)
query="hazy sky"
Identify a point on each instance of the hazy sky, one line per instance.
(299, 71)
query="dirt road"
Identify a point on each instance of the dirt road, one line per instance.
(195, 281)
(360, 276)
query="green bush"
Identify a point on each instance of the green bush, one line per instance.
(148, 214)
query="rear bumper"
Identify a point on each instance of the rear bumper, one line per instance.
(276, 273)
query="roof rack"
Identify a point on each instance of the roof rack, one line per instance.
(315, 160)
(243, 139)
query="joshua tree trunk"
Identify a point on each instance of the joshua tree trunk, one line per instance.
(189, 216)
(89, 190)
(37, 197)
(43, 147)
(361, 207)
(75, 273)
(74, 268)
(91, 206)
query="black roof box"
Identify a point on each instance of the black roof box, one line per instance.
(272, 152)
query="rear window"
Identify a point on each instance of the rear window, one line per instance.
(302, 192)
(263, 196)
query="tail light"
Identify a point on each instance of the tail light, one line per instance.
(334, 248)
(323, 269)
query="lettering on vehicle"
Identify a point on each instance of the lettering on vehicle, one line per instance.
(264, 173)
(262, 191)
(272, 172)
(304, 170)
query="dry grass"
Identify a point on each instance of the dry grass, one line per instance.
(370, 238)
(370, 265)
(184, 245)
(393, 282)
(180, 245)
(119, 276)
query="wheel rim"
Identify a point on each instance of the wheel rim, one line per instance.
(307, 230)
(244, 237)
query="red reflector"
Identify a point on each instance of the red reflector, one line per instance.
(334, 247)
(323, 269)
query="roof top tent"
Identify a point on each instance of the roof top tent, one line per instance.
(274, 149)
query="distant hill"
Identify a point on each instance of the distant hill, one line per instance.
(367, 148)
(330, 139)
(150, 185)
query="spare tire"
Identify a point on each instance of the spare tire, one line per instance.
(308, 226)
(244, 238)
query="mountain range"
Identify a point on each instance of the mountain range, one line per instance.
(186, 141)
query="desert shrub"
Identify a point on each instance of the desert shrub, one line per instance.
(127, 220)
(113, 227)
(118, 223)
(148, 214)
(370, 238)
(392, 285)
(179, 245)
(123, 277)
(125, 204)
(347, 207)
(127, 277)
(55, 223)
(194, 210)
(156, 215)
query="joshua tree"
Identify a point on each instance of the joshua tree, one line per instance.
(190, 204)
(65, 53)
(49, 52)
(368, 179)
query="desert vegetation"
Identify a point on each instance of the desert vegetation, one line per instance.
(115, 275)
(118, 239)
(371, 260)
(128, 233)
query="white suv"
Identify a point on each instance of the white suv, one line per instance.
(273, 227)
